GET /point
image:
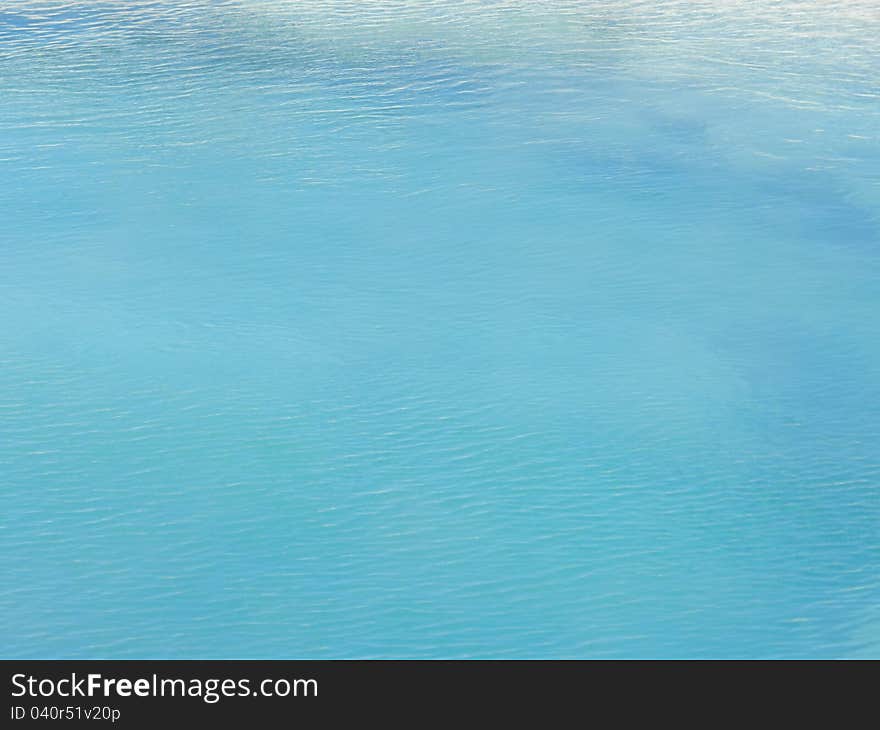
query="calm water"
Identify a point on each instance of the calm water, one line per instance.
(439, 329)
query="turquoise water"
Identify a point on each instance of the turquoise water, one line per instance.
(439, 329)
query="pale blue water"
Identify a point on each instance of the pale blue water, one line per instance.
(439, 329)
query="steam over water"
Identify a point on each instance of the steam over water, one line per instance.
(404, 328)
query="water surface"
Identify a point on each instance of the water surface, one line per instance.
(439, 329)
